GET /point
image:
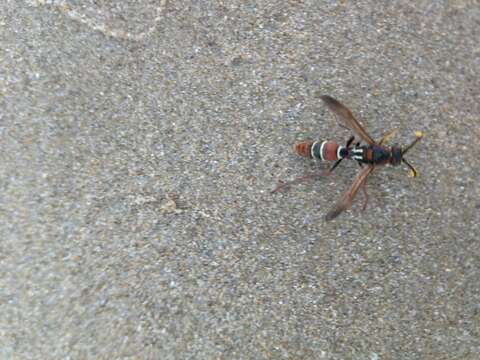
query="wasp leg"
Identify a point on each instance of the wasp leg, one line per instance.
(312, 176)
(335, 165)
(350, 140)
(413, 172)
(387, 136)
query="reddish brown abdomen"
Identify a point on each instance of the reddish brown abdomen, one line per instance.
(329, 152)
(304, 148)
(321, 150)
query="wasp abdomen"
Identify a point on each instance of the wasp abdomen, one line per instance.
(304, 148)
(322, 150)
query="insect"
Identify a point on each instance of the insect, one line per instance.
(368, 156)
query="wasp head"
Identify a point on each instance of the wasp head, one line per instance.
(397, 155)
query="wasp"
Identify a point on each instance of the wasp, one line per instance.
(369, 156)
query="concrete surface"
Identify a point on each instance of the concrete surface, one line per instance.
(139, 142)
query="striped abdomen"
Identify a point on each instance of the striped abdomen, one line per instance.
(321, 150)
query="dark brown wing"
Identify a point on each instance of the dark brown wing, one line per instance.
(346, 118)
(347, 198)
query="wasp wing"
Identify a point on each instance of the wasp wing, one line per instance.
(347, 198)
(345, 117)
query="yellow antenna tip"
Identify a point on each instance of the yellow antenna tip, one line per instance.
(419, 134)
(412, 173)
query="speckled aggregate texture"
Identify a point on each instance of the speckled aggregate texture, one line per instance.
(139, 143)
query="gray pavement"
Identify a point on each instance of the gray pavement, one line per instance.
(139, 143)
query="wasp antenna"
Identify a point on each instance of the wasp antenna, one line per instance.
(418, 137)
(413, 172)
